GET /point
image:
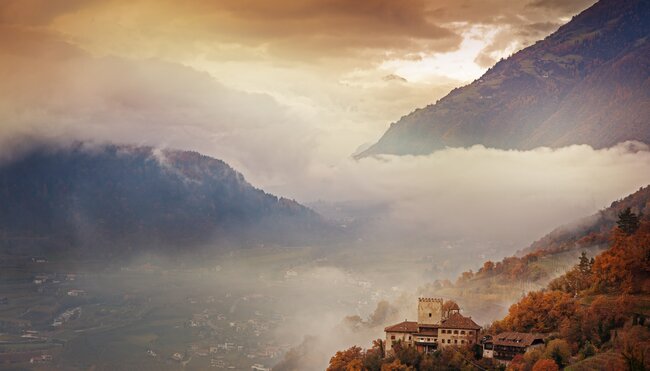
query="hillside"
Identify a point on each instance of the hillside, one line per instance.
(587, 83)
(598, 311)
(591, 230)
(114, 199)
(593, 317)
(547, 258)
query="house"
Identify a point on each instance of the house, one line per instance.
(506, 345)
(435, 328)
(41, 279)
(76, 292)
(43, 358)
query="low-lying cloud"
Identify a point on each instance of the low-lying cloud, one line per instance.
(497, 196)
(483, 193)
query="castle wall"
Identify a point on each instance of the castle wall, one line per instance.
(393, 337)
(450, 336)
(429, 311)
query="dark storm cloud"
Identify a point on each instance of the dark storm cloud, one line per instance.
(289, 29)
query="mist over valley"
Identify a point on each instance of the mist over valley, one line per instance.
(218, 185)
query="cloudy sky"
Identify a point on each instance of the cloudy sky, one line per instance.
(286, 90)
(320, 76)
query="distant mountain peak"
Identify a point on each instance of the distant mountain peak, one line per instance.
(587, 83)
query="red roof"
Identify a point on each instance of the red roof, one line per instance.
(457, 320)
(518, 339)
(406, 326)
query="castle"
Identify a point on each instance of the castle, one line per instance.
(434, 328)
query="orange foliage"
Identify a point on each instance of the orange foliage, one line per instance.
(626, 265)
(517, 364)
(545, 365)
(539, 312)
(396, 365)
(343, 360)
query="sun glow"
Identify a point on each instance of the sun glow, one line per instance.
(459, 64)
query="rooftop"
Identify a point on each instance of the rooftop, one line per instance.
(517, 339)
(457, 320)
(406, 326)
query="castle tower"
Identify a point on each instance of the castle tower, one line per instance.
(429, 311)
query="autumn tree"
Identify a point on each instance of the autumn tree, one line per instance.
(531, 357)
(635, 348)
(587, 350)
(374, 356)
(577, 279)
(559, 351)
(545, 365)
(517, 364)
(407, 354)
(488, 268)
(626, 265)
(540, 311)
(396, 365)
(342, 360)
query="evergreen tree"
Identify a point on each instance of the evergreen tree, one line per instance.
(628, 222)
(584, 265)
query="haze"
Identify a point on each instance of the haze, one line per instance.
(286, 92)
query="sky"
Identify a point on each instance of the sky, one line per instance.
(286, 91)
(326, 75)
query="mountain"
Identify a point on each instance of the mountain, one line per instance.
(557, 251)
(534, 267)
(598, 310)
(587, 83)
(593, 316)
(130, 197)
(593, 229)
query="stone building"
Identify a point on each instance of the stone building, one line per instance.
(506, 345)
(434, 328)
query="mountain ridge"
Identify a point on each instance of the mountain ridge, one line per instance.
(587, 83)
(126, 197)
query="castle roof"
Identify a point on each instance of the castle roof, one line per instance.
(406, 326)
(453, 306)
(457, 320)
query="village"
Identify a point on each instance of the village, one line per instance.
(56, 315)
(199, 332)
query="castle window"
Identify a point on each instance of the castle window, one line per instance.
(462, 332)
(455, 341)
(471, 332)
(456, 332)
(392, 337)
(462, 341)
(409, 337)
(429, 315)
